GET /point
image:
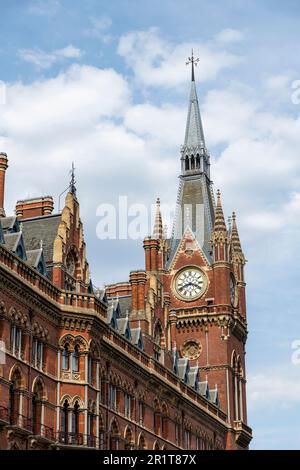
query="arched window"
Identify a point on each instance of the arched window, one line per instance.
(187, 163)
(65, 421)
(129, 445)
(177, 433)
(239, 389)
(16, 340)
(65, 358)
(197, 161)
(101, 433)
(157, 418)
(165, 422)
(142, 442)
(114, 436)
(192, 162)
(187, 439)
(14, 397)
(156, 446)
(75, 359)
(128, 405)
(157, 341)
(36, 409)
(75, 419)
(90, 369)
(141, 411)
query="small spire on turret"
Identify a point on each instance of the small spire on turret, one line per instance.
(158, 225)
(235, 239)
(219, 225)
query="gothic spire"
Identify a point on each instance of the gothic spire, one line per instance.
(235, 239)
(158, 226)
(219, 225)
(194, 135)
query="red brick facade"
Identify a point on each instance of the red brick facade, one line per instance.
(137, 366)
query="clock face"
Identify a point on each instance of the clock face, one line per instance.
(190, 283)
(232, 290)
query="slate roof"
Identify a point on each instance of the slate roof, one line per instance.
(193, 376)
(12, 240)
(136, 336)
(41, 228)
(203, 389)
(183, 368)
(9, 224)
(194, 134)
(125, 305)
(214, 396)
(33, 257)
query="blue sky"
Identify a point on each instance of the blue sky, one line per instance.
(105, 84)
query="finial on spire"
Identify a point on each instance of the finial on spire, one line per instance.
(73, 182)
(193, 61)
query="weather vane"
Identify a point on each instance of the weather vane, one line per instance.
(193, 61)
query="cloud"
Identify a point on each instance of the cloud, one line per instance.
(274, 389)
(99, 28)
(43, 7)
(157, 62)
(44, 60)
(229, 35)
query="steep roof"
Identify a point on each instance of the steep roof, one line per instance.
(41, 228)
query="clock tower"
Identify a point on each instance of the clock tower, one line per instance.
(196, 282)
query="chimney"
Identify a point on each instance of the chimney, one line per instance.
(35, 207)
(3, 168)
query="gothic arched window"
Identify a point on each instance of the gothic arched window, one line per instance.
(65, 358)
(75, 359)
(192, 162)
(187, 163)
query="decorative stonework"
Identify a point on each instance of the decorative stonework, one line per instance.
(192, 349)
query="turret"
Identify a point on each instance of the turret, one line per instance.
(3, 168)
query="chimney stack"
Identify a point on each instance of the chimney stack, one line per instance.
(35, 207)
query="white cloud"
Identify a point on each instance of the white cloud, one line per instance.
(44, 60)
(275, 388)
(229, 35)
(157, 62)
(99, 28)
(69, 52)
(43, 7)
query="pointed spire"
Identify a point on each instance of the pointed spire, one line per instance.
(194, 135)
(235, 239)
(73, 182)
(158, 226)
(220, 225)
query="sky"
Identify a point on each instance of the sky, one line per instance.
(104, 84)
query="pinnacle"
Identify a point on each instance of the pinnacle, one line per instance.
(220, 225)
(235, 239)
(158, 226)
